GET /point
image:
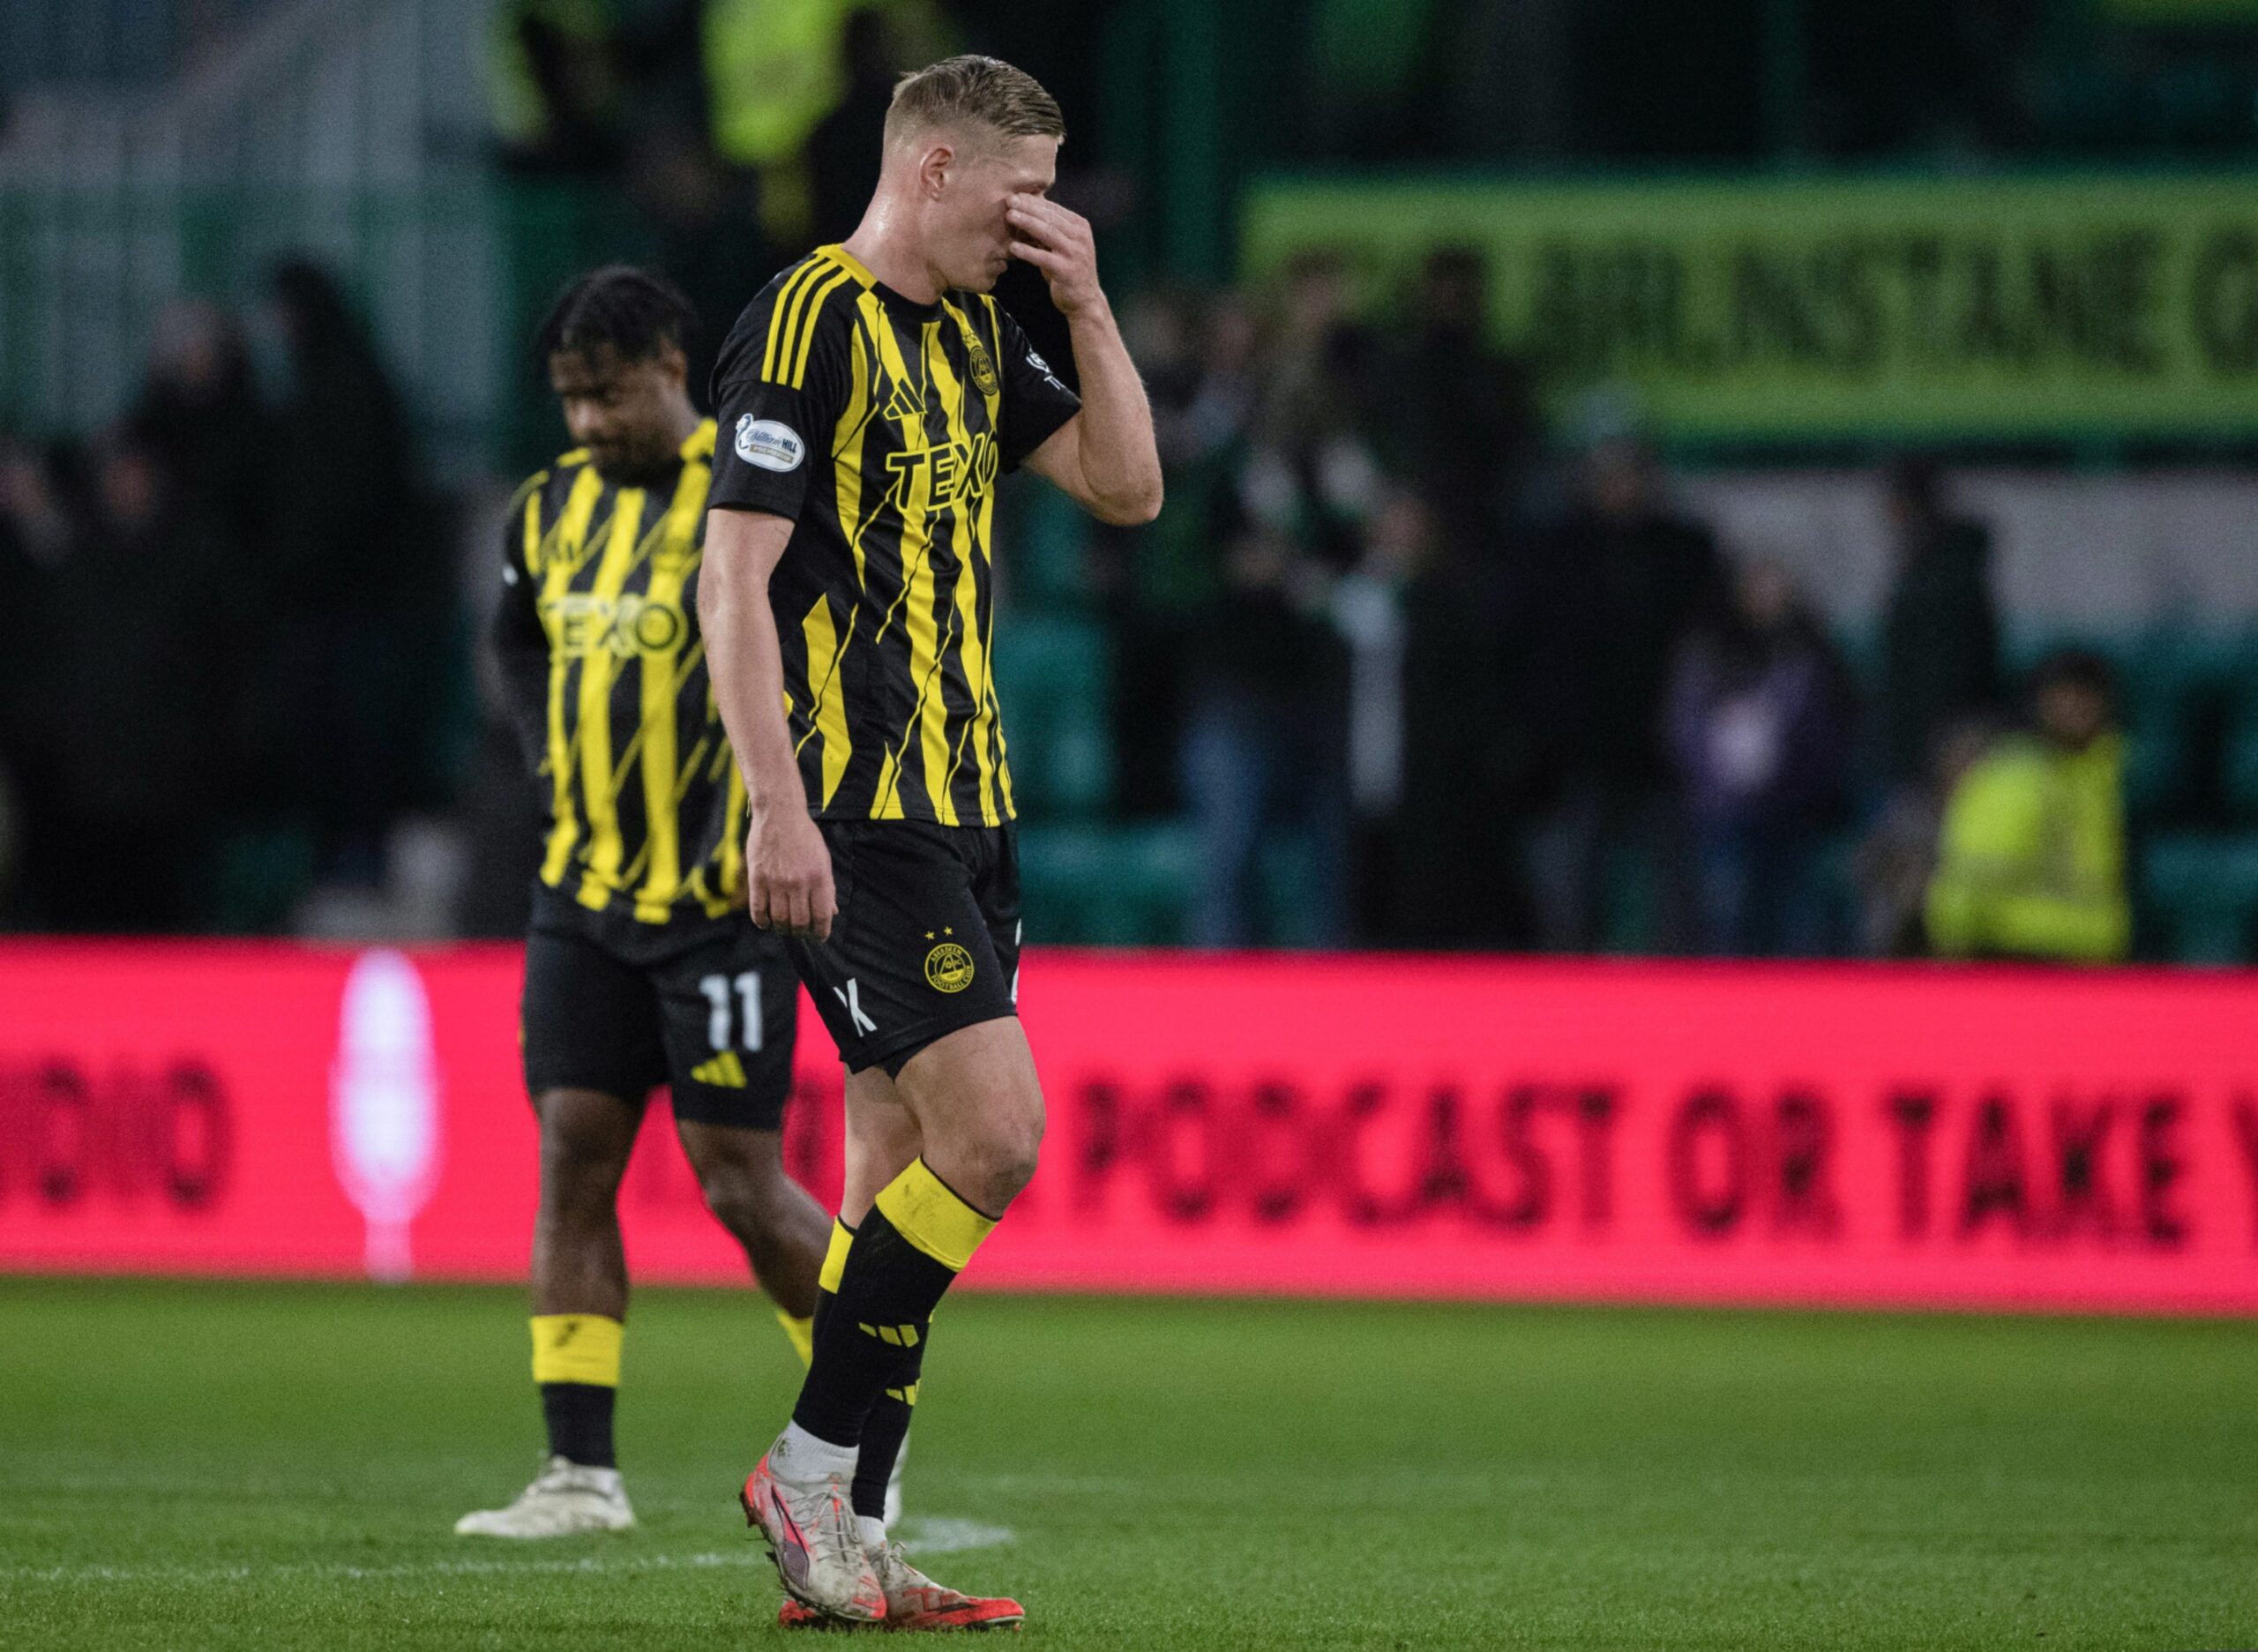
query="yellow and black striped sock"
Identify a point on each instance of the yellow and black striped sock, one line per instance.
(576, 1366)
(799, 1331)
(870, 1335)
(834, 1266)
(888, 1423)
(884, 1429)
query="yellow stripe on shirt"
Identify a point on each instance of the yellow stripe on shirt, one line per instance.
(560, 556)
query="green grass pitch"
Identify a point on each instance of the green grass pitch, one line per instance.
(251, 1466)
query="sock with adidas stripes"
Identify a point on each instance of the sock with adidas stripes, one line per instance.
(870, 1332)
(887, 1426)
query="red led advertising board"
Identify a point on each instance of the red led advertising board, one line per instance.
(1368, 1126)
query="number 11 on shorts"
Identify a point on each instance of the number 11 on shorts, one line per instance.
(716, 989)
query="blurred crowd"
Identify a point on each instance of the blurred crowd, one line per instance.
(1495, 688)
(1482, 686)
(237, 630)
(1476, 682)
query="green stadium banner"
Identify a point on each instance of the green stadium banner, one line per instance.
(1760, 309)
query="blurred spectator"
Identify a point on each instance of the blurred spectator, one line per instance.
(1898, 855)
(1153, 582)
(1941, 633)
(1262, 758)
(1761, 713)
(2032, 860)
(776, 71)
(1368, 610)
(1313, 471)
(1456, 415)
(1426, 735)
(139, 659)
(1263, 753)
(199, 412)
(360, 583)
(34, 534)
(1607, 598)
(844, 150)
(754, 130)
(553, 83)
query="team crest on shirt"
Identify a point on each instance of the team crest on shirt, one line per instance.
(948, 968)
(984, 370)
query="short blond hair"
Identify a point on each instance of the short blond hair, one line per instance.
(971, 89)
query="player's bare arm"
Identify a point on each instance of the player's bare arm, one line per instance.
(788, 869)
(1105, 457)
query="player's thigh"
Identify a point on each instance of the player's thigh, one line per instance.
(910, 959)
(588, 1022)
(729, 1009)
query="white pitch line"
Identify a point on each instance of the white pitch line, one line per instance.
(952, 1537)
(922, 1537)
(99, 1573)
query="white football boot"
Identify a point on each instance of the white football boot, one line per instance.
(813, 1540)
(565, 1498)
(914, 1602)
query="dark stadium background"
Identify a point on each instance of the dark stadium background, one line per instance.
(1557, 1137)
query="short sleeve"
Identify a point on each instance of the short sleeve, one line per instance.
(780, 386)
(1036, 402)
(521, 643)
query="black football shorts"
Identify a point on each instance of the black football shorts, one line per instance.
(708, 1008)
(926, 941)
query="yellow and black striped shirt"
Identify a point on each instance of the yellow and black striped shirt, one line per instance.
(879, 425)
(597, 633)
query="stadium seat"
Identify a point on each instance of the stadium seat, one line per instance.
(1120, 885)
(2239, 773)
(2239, 760)
(1053, 676)
(1048, 539)
(2203, 890)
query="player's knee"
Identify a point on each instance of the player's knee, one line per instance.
(1008, 1151)
(583, 1151)
(744, 1197)
(739, 1213)
(738, 1205)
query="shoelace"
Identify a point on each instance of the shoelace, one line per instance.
(833, 1538)
(897, 1576)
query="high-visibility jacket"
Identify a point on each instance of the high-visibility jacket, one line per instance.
(2030, 861)
(521, 115)
(773, 70)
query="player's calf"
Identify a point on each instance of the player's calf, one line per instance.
(777, 1221)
